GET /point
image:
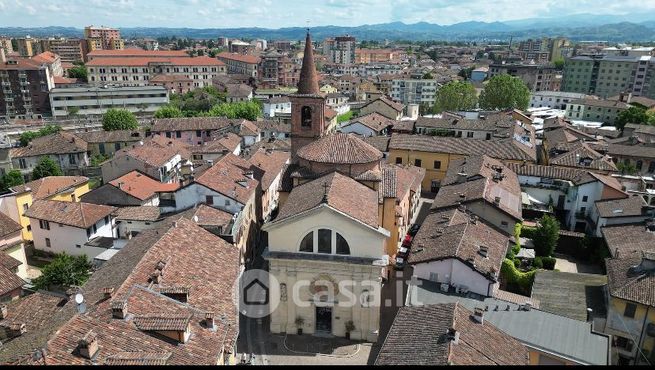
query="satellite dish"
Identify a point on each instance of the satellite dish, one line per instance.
(79, 298)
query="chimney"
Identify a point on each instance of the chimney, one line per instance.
(17, 329)
(107, 292)
(209, 320)
(478, 315)
(250, 174)
(88, 346)
(461, 177)
(3, 312)
(155, 277)
(120, 185)
(119, 309)
(453, 335)
(497, 200)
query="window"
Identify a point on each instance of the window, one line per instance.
(95, 229)
(399, 160)
(504, 224)
(651, 167)
(78, 246)
(47, 243)
(178, 134)
(198, 133)
(106, 220)
(43, 224)
(624, 343)
(209, 200)
(437, 165)
(306, 116)
(324, 241)
(417, 162)
(469, 134)
(639, 165)
(71, 158)
(630, 310)
(117, 146)
(25, 206)
(307, 243)
(342, 245)
(21, 163)
(585, 198)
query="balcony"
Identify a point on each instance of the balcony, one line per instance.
(581, 215)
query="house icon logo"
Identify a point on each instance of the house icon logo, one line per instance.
(256, 293)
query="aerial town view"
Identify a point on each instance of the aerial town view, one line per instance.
(333, 182)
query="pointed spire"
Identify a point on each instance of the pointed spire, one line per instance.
(308, 83)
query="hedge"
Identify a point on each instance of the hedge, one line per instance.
(515, 280)
(548, 262)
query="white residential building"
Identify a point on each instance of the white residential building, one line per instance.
(408, 91)
(85, 101)
(553, 99)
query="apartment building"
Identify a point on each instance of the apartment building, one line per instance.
(410, 91)
(609, 75)
(375, 55)
(103, 38)
(138, 70)
(538, 77)
(69, 50)
(553, 99)
(27, 46)
(340, 50)
(277, 70)
(89, 101)
(5, 44)
(536, 50)
(240, 64)
(25, 84)
(597, 110)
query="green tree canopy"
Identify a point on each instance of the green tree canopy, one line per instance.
(79, 72)
(546, 236)
(559, 63)
(119, 119)
(168, 111)
(456, 95)
(245, 110)
(46, 167)
(11, 179)
(634, 115)
(28, 136)
(505, 92)
(64, 271)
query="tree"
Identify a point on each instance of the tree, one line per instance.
(428, 76)
(245, 110)
(635, 115)
(64, 271)
(79, 72)
(11, 179)
(559, 63)
(168, 111)
(456, 95)
(546, 236)
(505, 92)
(466, 73)
(46, 167)
(26, 137)
(626, 168)
(119, 119)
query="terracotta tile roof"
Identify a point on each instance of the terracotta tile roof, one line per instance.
(418, 336)
(141, 186)
(21, 64)
(582, 154)
(403, 126)
(191, 124)
(398, 107)
(156, 151)
(226, 177)
(249, 59)
(594, 102)
(340, 148)
(507, 149)
(637, 151)
(375, 121)
(270, 125)
(48, 186)
(142, 213)
(452, 234)
(329, 113)
(9, 262)
(577, 176)
(8, 225)
(627, 207)
(122, 136)
(208, 216)
(9, 281)
(64, 80)
(627, 240)
(271, 162)
(238, 90)
(380, 143)
(33, 310)
(145, 61)
(407, 178)
(58, 143)
(283, 145)
(140, 358)
(137, 53)
(174, 249)
(229, 140)
(633, 284)
(81, 215)
(162, 322)
(45, 57)
(343, 194)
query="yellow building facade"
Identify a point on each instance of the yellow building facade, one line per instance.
(632, 328)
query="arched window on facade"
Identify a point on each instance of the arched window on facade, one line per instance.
(307, 243)
(306, 116)
(342, 245)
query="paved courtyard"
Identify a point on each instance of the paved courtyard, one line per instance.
(566, 263)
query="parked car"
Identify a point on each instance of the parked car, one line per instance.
(407, 242)
(400, 263)
(413, 230)
(403, 252)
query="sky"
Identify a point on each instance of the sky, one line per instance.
(293, 13)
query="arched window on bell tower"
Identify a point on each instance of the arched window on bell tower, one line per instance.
(306, 116)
